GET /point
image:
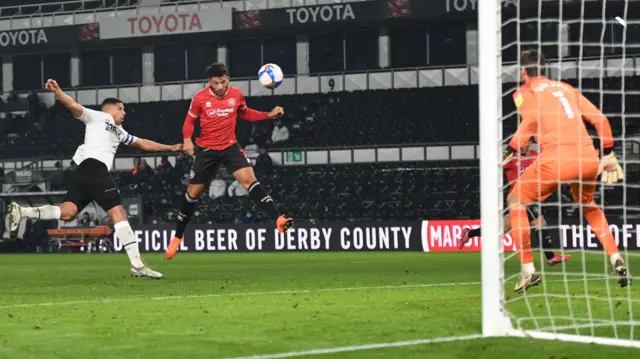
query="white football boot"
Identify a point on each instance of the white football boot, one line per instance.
(527, 281)
(145, 272)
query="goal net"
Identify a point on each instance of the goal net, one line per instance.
(592, 45)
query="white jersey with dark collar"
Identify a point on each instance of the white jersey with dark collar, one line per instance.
(101, 138)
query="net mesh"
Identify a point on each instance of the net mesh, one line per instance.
(590, 49)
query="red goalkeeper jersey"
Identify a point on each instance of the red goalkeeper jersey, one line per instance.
(514, 168)
(218, 117)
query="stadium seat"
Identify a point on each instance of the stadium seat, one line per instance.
(331, 192)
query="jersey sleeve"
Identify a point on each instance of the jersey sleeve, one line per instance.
(125, 137)
(249, 114)
(89, 115)
(242, 103)
(526, 103)
(194, 108)
(594, 116)
(188, 127)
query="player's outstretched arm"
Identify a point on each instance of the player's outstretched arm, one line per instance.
(187, 133)
(76, 109)
(151, 146)
(610, 169)
(249, 114)
(594, 116)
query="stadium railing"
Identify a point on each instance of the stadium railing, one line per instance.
(387, 79)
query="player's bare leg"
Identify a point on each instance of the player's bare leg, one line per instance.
(186, 210)
(247, 178)
(521, 233)
(130, 243)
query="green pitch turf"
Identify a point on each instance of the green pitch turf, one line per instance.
(81, 306)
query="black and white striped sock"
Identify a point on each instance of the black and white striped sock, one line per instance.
(186, 210)
(264, 201)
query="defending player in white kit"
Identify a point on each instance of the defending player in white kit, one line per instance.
(91, 180)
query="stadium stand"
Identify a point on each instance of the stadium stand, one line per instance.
(377, 191)
(378, 117)
(346, 120)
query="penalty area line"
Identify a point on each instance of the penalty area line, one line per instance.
(354, 348)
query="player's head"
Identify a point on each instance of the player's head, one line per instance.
(115, 108)
(533, 64)
(218, 78)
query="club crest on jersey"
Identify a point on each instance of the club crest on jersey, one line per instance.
(231, 102)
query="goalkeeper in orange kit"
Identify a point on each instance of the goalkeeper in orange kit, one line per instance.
(552, 113)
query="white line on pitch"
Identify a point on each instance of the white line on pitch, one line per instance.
(247, 294)
(360, 347)
(241, 294)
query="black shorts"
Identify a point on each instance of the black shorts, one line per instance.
(206, 164)
(547, 209)
(91, 181)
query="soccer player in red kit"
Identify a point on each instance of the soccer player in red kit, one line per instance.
(218, 106)
(513, 169)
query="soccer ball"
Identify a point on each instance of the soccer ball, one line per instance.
(270, 76)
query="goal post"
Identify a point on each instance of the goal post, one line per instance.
(577, 301)
(494, 319)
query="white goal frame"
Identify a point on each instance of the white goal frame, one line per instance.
(495, 321)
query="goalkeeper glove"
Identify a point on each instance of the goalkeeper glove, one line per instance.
(610, 169)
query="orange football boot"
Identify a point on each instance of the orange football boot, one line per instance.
(173, 248)
(283, 223)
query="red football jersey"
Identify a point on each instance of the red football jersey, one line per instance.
(218, 116)
(514, 168)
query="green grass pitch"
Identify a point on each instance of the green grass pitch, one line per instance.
(78, 306)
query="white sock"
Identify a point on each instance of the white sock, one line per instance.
(614, 257)
(130, 242)
(44, 212)
(528, 268)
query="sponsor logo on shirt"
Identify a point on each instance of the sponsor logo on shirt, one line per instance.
(220, 112)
